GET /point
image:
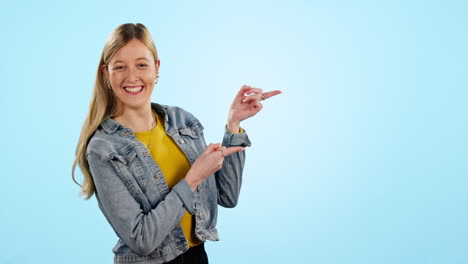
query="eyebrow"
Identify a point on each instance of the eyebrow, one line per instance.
(141, 58)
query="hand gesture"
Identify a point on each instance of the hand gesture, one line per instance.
(209, 162)
(247, 103)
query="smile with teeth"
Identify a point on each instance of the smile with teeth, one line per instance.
(133, 89)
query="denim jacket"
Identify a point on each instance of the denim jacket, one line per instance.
(133, 195)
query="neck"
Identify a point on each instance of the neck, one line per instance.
(138, 119)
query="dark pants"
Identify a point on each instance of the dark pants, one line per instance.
(195, 255)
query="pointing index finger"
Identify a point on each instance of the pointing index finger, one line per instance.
(232, 150)
(270, 94)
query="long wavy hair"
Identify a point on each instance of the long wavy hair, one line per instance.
(103, 102)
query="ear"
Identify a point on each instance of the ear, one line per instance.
(158, 63)
(105, 71)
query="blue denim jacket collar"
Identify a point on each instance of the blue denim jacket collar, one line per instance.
(110, 126)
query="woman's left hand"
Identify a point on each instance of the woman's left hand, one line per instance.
(246, 104)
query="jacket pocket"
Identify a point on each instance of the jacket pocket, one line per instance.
(193, 129)
(192, 135)
(130, 169)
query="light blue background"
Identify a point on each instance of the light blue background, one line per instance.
(362, 159)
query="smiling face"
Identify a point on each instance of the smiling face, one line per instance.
(132, 73)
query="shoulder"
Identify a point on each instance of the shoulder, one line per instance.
(98, 145)
(103, 144)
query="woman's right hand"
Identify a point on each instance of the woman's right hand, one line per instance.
(209, 162)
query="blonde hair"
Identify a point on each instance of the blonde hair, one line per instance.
(103, 102)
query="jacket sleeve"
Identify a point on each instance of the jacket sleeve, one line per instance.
(229, 177)
(140, 231)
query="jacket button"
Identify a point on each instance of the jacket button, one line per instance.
(181, 141)
(198, 188)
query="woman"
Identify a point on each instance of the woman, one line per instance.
(155, 179)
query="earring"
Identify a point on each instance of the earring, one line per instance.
(108, 85)
(157, 77)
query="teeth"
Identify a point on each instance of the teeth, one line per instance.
(133, 89)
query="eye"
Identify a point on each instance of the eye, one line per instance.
(118, 67)
(142, 65)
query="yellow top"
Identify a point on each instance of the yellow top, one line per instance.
(240, 130)
(173, 164)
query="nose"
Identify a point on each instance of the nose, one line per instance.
(132, 76)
